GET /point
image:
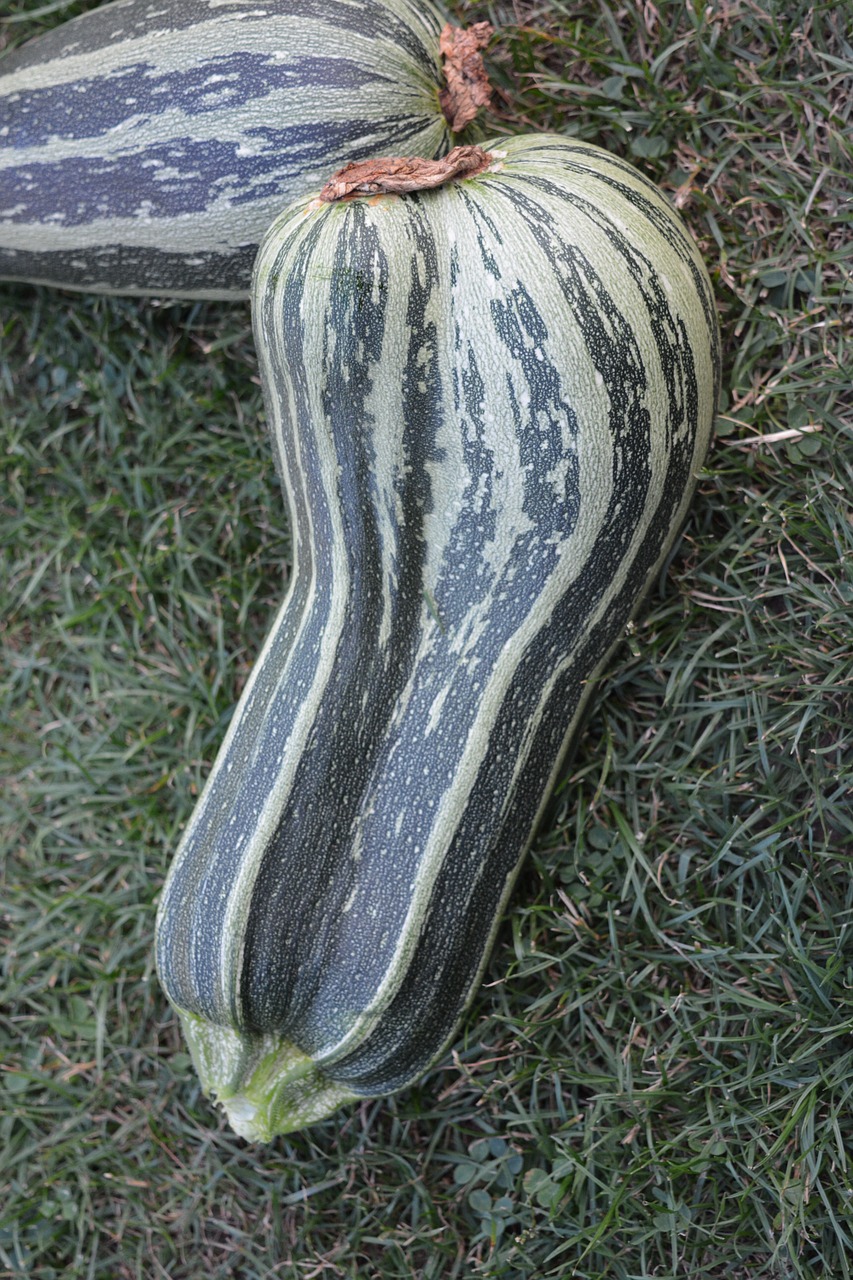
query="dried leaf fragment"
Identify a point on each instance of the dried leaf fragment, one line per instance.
(400, 174)
(468, 86)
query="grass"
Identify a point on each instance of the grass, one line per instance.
(656, 1079)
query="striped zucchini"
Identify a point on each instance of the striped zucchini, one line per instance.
(146, 146)
(488, 404)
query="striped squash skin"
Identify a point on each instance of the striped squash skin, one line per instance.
(146, 146)
(488, 405)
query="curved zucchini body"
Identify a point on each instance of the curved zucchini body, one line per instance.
(146, 146)
(488, 405)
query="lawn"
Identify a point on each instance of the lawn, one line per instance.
(656, 1079)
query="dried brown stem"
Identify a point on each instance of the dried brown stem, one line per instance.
(468, 86)
(400, 174)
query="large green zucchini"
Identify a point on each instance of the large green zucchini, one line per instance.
(146, 146)
(488, 404)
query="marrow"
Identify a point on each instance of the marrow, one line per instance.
(146, 146)
(488, 403)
